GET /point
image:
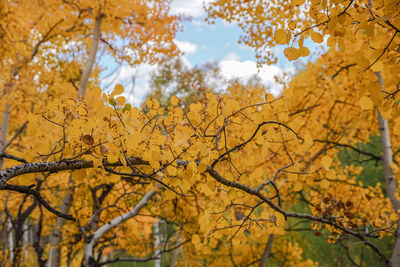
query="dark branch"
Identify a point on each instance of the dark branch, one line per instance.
(29, 191)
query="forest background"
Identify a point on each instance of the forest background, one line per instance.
(299, 169)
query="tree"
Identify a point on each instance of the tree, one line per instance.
(191, 84)
(56, 31)
(236, 173)
(374, 37)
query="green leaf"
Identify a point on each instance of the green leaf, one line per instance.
(127, 107)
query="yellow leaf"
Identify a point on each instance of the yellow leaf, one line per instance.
(196, 240)
(366, 103)
(297, 2)
(174, 100)
(331, 174)
(292, 25)
(122, 159)
(120, 100)
(236, 242)
(118, 89)
(113, 178)
(317, 37)
(297, 186)
(204, 220)
(79, 174)
(378, 66)
(396, 127)
(154, 164)
(291, 53)
(324, 184)
(394, 217)
(308, 140)
(326, 162)
(331, 42)
(280, 36)
(304, 51)
(169, 194)
(202, 167)
(112, 157)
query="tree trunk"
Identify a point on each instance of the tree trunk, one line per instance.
(18, 234)
(54, 257)
(390, 179)
(3, 132)
(83, 85)
(157, 243)
(176, 250)
(91, 241)
(267, 250)
(55, 252)
(10, 239)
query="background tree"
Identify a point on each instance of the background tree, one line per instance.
(235, 173)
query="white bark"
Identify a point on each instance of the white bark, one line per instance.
(390, 179)
(25, 241)
(89, 246)
(56, 237)
(56, 166)
(54, 257)
(11, 240)
(92, 58)
(387, 161)
(157, 243)
(3, 132)
(175, 254)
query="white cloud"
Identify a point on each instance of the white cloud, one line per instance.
(232, 56)
(192, 8)
(244, 70)
(200, 23)
(134, 79)
(186, 47)
(230, 69)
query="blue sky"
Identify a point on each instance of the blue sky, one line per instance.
(213, 42)
(202, 43)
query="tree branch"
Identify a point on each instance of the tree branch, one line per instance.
(28, 190)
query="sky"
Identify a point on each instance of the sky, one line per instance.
(201, 43)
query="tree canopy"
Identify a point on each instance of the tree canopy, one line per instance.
(221, 178)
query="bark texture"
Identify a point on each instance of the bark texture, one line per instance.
(91, 242)
(54, 257)
(267, 251)
(3, 132)
(390, 179)
(83, 85)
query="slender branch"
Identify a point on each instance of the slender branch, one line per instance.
(251, 138)
(28, 190)
(8, 156)
(329, 221)
(17, 133)
(375, 157)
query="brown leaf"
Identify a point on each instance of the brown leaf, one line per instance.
(88, 139)
(326, 199)
(317, 234)
(349, 204)
(239, 215)
(104, 149)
